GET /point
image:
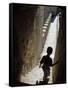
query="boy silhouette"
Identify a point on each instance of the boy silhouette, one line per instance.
(46, 63)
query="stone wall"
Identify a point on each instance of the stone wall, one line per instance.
(59, 70)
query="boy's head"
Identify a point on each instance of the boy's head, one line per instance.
(49, 50)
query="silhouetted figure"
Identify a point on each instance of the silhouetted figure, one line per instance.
(46, 63)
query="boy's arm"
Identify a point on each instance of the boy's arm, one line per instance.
(55, 63)
(40, 65)
(41, 62)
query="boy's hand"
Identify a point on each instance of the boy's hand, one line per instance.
(57, 62)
